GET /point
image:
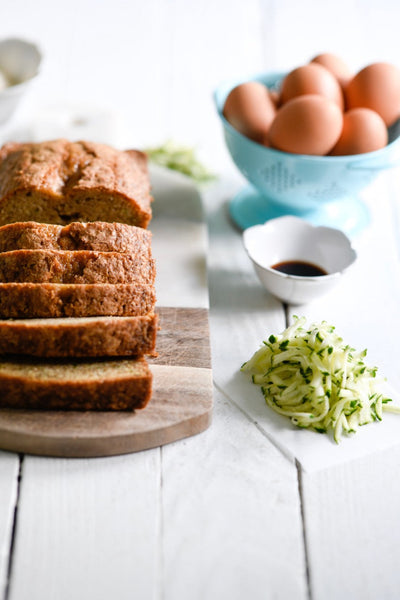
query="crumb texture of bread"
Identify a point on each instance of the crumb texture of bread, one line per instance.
(41, 300)
(79, 266)
(117, 384)
(60, 182)
(99, 236)
(79, 337)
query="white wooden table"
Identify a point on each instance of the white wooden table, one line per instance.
(225, 514)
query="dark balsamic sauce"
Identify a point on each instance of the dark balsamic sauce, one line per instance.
(300, 268)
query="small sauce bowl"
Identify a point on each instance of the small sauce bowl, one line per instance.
(291, 239)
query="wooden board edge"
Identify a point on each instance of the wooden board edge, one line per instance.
(92, 447)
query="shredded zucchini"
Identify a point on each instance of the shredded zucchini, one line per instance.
(311, 376)
(180, 158)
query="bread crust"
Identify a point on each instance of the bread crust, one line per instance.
(77, 338)
(99, 236)
(23, 386)
(42, 300)
(60, 182)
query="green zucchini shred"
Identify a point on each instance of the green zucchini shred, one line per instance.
(309, 375)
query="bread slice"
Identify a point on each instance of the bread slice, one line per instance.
(60, 182)
(37, 300)
(99, 236)
(80, 266)
(79, 337)
(118, 384)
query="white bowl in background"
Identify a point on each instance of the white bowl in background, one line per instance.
(19, 64)
(288, 239)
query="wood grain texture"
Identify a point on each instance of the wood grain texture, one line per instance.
(181, 403)
(183, 338)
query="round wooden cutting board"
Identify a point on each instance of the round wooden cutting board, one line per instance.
(181, 403)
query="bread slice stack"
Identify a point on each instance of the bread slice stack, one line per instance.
(77, 300)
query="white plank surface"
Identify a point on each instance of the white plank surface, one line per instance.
(365, 304)
(88, 528)
(360, 500)
(353, 531)
(227, 476)
(179, 241)
(9, 470)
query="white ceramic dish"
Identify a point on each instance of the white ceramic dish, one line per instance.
(293, 239)
(19, 63)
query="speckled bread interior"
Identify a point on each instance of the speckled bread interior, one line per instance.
(79, 337)
(76, 266)
(35, 300)
(75, 385)
(97, 236)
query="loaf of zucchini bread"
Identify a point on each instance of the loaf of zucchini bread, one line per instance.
(61, 181)
(77, 277)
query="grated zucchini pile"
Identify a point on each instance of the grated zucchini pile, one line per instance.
(309, 375)
(180, 158)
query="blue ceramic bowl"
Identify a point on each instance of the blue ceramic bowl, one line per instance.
(322, 189)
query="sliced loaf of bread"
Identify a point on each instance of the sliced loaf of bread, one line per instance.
(43, 300)
(80, 266)
(99, 236)
(79, 337)
(60, 182)
(118, 384)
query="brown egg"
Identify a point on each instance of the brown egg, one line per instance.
(311, 79)
(308, 124)
(336, 66)
(363, 131)
(250, 109)
(377, 86)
